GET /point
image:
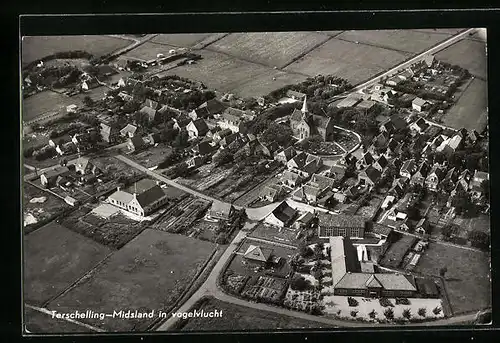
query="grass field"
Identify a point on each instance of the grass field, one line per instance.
(148, 51)
(470, 111)
(355, 62)
(149, 273)
(267, 82)
(95, 94)
(441, 31)
(467, 280)
(37, 47)
(38, 322)
(184, 40)
(238, 318)
(400, 40)
(40, 210)
(46, 101)
(273, 49)
(54, 258)
(467, 53)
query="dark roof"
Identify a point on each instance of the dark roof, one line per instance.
(382, 161)
(409, 166)
(222, 207)
(381, 229)
(321, 181)
(284, 212)
(151, 103)
(136, 141)
(372, 173)
(320, 121)
(149, 111)
(368, 158)
(296, 115)
(288, 153)
(212, 106)
(201, 126)
(147, 192)
(340, 220)
(204, 148)
(234, 114)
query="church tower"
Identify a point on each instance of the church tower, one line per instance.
(304, 107)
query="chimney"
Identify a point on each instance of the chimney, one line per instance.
(157, 183)
(118, 188)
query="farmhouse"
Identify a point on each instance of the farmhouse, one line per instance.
(393, 124)
(337, 172)
(149, 112)
(291, 178)
(349, 101)
(366, 105)
(143, 198)
(257, 254)
(304, 125)
(419, 126)
(295, 95)
(236, 120)
(197, 128)
(209, 109)
(282, 216)
(221, 210)
(128, 131)
(305, 164)
(48, 179)
(340, 225)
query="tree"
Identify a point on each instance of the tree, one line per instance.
(442, 271)
(389, 313)
(299, 283)
(87, 101)
(168, 135)
(223, 157)
(479, 239)
(279, 133)
(181, 140)
(304, 250)
(372, 314)
(221, 238)
(485, 186)
(240, 156)
(448, 230)
(407, 313)
(436, 310)
(181, 169)
(354, 313)
(422, 311)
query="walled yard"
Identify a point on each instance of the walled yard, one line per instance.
(467, 279)
(54, 258)
(239, 318)
(113, 232)
(398, 248)
(37, 47)
(345, 139)
(39, 205)
(149, 273)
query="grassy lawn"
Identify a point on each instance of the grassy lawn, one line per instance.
(36, 47)
(402, 40)
(44, 102)
(269, 48)
(470, 111)
(40, 210)
(467, 280)
(238, 318)
(469, 54)
(149, 273)
(354, 62)
(54, 258)
(38, 322)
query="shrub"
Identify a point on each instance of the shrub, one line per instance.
(354, 313)
(436, 310)
(407, 313)
(352, 302)
(389, 313)
(385, 302)
(422, 311)
(402, 301)
(372, 314)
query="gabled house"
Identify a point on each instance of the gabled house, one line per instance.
(420, 175)
(109, 133)
(337, 172)
(150, 112)
(449, 180)
(418, 104)
(271, 193)
(472, 137)
(454, 144)
(257, 254)
(197, 128)
(205, 148)
(291, 179)
(422, 226)
(221, 134)
(408, 169)
(256, 148)
(331, 225)
(49, 178)
(125, 96)
(380, 164)
(194, 162)
(295, 95)
(221, 210)
(128, 131)
(181, 121)
(285, 155)
(393, 124)
(369, 176)
(475, 185)
(281, 216)
(83, 166)
(305, 221)
(434, 177)
(365, 161)
(209, 108)
(393, 147)
(398, 187)
(135, 143)
(150, 103)
(305, 164)
(419, 125)
(236, 120)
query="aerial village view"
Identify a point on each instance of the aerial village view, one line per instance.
(255, 181)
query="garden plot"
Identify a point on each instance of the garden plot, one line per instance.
(301, 300)
(149, 273)
(272, 233)
(264, 288)
(152, 156)
(273, 49)
(338, 306)
(39, 205)
(354, 62)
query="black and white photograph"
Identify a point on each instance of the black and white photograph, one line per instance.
(249, 181)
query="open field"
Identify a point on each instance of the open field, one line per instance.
(184, 40)
(467, 279)
(148, 51)
(44, 102)
(37, 47)
(470, 111)
(238, 318)
(440, 30)
(38, 211)
(267, 82)
(95, 94)
(273, 49)
(400, 40)
(468, 54)
(38, 322)
(355, 62)
(149, 273)
(54, 258)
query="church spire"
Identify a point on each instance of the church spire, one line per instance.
(304, 106)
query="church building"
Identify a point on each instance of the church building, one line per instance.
(305, 125)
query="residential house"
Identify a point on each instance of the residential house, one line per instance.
(194, 162)
(380, 164)
(181, 121)
(366, 105)
(472, 137)
(271, 193)
(394, 148)
(408, 169)
(83, 166)
(453, 144)
(379, 143)
(236, 120)
(305, 125)
(393, 124)
(419, 126)
(398, 188)
(257, 254)
(151, 104)
(394, 81)
(337, 172)
(429, 60)
(340, 225)
(142, 198)
(315, 188)
(370, 285)
(109, 133)
(150, 112)
(295, 95)
(475, 185)
(221, 210)
(229, 139)
(305, 164)
(197, 128)
(88, 84)
(449, 181)
(135, 143)
(256, 148)
(285, 155)
(381, 231)
(48, 179)
(388, 201)
(205, 148)
(291, 179)
(209, 108)
(281, 216)
(434, 177)
(305, 221)
(365, 161)
(418, 104)
(128, 131)
(221, 134)
(420, 175)
(422, 226)
(349, 101)
(369, 176)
